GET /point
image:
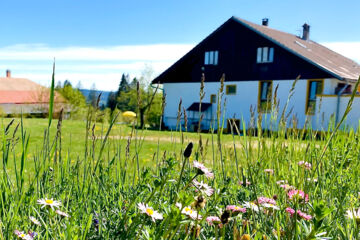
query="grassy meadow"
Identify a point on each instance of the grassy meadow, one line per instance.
(88, 180)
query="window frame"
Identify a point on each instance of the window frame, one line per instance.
(308, 100)
(266, 102)
(211, 57)
(227, 89)
(265, 55)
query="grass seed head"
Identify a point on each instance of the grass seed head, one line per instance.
(188, 150)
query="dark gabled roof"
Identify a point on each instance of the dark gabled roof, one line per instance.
(334, 63)
(196, 106)
(319, 56)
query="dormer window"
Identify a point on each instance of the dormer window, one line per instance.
(211, 58)
(265, 55)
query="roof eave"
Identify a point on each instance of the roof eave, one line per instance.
(288, 49)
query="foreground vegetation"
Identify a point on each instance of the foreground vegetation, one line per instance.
(96, 185)
(273, 188)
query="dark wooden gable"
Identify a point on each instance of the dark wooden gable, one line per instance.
(237, 46)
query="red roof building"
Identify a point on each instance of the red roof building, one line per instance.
(23, 95)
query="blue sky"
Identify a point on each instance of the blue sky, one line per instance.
(96, 41)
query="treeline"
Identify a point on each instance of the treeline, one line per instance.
(136, 95)
(139, 96)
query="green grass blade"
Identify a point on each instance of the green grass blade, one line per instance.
(52, 90)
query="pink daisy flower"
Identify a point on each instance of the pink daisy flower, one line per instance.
(269, 170)
(202, 170)
(211, 220)
(299, 213)
(298, 194)
(235, 209)
(287, 187)
(247, 183)
(304, 164)
(304, 215)
(290, 210)
(262, 200)
(281, 182)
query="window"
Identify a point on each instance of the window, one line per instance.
(213, 98)
(314, 87)
(230, 89)
(265, 55)
(265, 95)
(211, 58)
(343, 88)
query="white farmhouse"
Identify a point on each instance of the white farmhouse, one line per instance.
(256, 60)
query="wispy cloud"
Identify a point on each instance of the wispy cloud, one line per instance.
(100, 65)
(155, 52)
(348, 49)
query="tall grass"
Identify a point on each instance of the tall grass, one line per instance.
(101, 188)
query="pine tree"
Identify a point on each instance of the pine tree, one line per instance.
(92, 98)
(111, 101)
(67, 83)
(124, 85)
(133, 83)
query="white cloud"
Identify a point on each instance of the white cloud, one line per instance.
(100, 65)
(348, 49)
(154, 52)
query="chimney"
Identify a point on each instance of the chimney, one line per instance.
(265, 22)
(8, 73)
(306, 31)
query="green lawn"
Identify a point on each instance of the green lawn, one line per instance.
(103, 188)
(147, 146)
(73, 135)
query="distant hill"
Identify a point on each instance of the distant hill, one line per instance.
(103, 98)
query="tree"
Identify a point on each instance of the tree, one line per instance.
(124, 85)
(111, 101)
(67, 83)
(147, 101)
(76, 101)
(121, 96)
(58, 85)
(92, 98)
(78, 85)
(133, 83)
(141, 97)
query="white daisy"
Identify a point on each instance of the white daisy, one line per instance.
(188, 211)
(203, 187)
(353, 214)
(269, 205)
(34, 221)
(63, 214)
(23, 235)
(49, 202)
(203, 170)
(252, 206)
(144, 208)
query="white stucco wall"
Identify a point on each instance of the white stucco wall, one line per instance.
(326, 115)
(237, 105)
